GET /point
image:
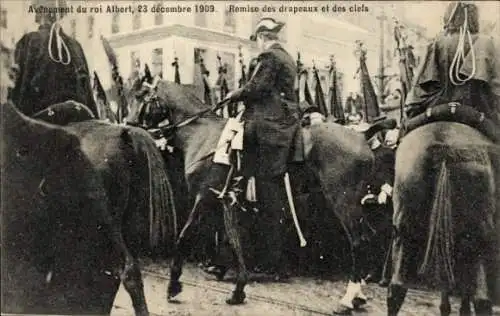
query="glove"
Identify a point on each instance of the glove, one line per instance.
(382, 198)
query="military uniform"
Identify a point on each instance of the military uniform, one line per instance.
(433, 85)
(270, 103)
(42, 82)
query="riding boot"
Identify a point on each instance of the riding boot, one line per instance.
(273, 224)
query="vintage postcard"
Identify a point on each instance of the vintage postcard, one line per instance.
(250, 157)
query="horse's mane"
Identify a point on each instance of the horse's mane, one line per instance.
(179, 97)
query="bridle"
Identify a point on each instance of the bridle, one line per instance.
(153, 97)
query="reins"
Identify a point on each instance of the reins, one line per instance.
(194, 117)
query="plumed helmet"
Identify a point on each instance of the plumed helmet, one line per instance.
(455, 13)
(55, 9)
(266, 25)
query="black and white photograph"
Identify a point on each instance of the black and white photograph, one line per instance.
(206, 158)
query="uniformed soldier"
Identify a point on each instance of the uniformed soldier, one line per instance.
(460, 65)
(270, 108)
(52, 65)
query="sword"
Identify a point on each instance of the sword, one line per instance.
(288, 188)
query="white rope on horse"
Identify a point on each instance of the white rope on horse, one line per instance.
(55, 29)
(458, 59)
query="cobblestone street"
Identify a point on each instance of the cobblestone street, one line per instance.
(203, 295)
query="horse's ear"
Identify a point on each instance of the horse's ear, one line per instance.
(147, 74)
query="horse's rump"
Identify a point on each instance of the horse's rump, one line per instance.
(135, 176)
(445, 185)
(51, 219)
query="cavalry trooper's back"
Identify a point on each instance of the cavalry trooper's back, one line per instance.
(52, 65)
(460, 65)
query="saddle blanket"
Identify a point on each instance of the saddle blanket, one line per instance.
(231, 139)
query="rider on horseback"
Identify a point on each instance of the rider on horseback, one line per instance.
(270, 105)
(52, 65)
(459, 66)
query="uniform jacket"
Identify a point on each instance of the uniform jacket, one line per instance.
(270, 84)
(432, 85)
(42, 82)
(270, 103)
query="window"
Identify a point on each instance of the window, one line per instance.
(135, 60)
(200, 19)
(199, 53)
(3, 19)
(115, 23)
(229, 21)
(159, 15)
(91, 20)
(136, 20)
(157, 62)
(73, 27)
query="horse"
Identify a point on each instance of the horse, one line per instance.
(137, 211)
(339, 157)
(56, 255)
(446, 197)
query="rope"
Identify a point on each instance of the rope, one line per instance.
(458, 59)
(55, 29)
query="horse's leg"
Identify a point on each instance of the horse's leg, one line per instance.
(396, 292)
(182, 250)
(353, 296)
(131, 275)
(482, 298)
(445, 306)
(385, 279)
(465, 309)
(231, 225)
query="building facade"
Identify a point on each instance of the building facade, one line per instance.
(156, 32)
(156, 38)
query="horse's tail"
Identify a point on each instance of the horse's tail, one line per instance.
(440, 242)
(162, 212)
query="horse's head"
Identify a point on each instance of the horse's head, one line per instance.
(145, 109)
(163, 100)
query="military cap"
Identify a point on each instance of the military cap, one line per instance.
(266, 25)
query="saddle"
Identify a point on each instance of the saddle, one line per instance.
(455, 112)
(65, 113)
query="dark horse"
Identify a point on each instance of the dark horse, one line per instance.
(340, 159)
(445, 196)
(106, 196)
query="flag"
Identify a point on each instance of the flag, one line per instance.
(406, 64)
(105, 111)
(370, 105)
(300, 85)
(117, 78)
(336, 108)
(319, 98)
(207, 96)
(177, 76)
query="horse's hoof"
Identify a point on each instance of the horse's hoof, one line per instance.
(174, 288)
(236, 298)
(357, 302)
(143, 312)
(342, 310)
